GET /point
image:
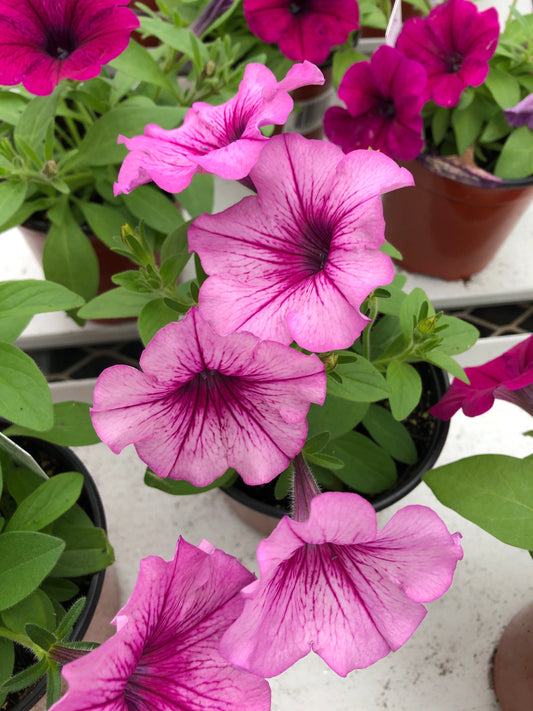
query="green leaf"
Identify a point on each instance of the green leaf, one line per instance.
(32, 126)
(176, 245)
(361, 382)
(136, 62)
(342, 60)
(64, 629)
(36, 608)
(12, 195)
(25, 678)
(179, 38)
(124, 120)
(7, 661)
(154, 315)
(284, 483)
(325, 460)
(68, 257)
(154, 207)
(27, 297)
(87, 550)
(105, 221)
(53, 683)
(47, 503)
(22, 457)
(24, 393)
(336, 416)
(11, 107)
(199, 197)
(116, 303)
(390, 434)
(442, 360)
(182, 488)
(458, 336)
(503, 86)
(60, 589)
(495, 128)
(406, 388)
(11, 328)
(467, 124)
(72, 426)
(40, 636)
(493, 491)
(26, 558)
(516, 157)
(367, 468)
(440, 123)
(414, 308)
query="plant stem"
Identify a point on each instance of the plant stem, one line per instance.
(373, 313)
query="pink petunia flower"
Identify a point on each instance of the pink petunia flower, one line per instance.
(42, 42)
(454, 44)
(338, 586)
(164, 655)
(521, 114)
(296, 261)
(303, 29)
(225, 139)
(204, 402)
(384, 99)
(507, 377)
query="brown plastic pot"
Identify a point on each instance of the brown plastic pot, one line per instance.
(449, 229)
(512, 670)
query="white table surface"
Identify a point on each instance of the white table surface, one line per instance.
(443, 667)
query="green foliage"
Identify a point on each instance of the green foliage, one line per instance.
(46, 538)
(493, 491)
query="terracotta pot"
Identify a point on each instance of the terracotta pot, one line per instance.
(102, 592)
(257, 506)
(512, 670)
(448, 229)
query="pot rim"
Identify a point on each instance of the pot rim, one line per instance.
(412, 477)
(92, 503)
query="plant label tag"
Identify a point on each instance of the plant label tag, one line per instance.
(395, 24)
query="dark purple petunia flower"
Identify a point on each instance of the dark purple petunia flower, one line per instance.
(295, 262)
(205, 402)
(521, 114)
(339, 586)
(508, 377)
(44, 41)
(384, 99)
(164, 655)
(303, 29)
(454, 44)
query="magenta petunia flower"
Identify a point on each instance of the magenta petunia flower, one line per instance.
(384, 99)
(42, 42)
(303, 29)
(164, 655)
(225, 139)
(521, 114)
(296, 261)
(204, 402)
(507, 377)
(454, 44)
(338, 586)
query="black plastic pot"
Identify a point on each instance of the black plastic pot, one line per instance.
(256, 505)
(65, 461)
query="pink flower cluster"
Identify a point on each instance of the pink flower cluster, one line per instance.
(290, 264)
(435, 58)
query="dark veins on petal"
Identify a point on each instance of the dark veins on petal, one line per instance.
(317, 240)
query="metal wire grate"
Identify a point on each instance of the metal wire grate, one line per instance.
(75, 363)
